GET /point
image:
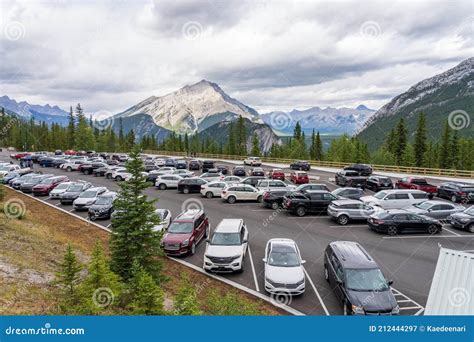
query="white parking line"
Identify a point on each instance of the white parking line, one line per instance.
(308, 217)
(108, 226)
(71, 210)
(59, 204)
(407, 300)
(268, 210)
(317, 293)
(449, 230)
(253, 270)
(427, 236)
(351, 226)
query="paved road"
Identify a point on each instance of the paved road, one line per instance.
(409, 260)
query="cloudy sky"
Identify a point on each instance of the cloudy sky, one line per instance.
(271, 55)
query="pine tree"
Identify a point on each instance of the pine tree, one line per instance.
(68, 278)
(420, 141)
(455, 158)
(241, 137)
(297, 131)
(444, 152)
(133, 236)
(70, 129)
(255, 145)
(84, 137)
(318, 147)
(401, 141)
(185, 302)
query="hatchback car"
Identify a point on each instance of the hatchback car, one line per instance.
(436, 209)
(357, 280)
(346, 210)
(276, 174)
(463, 220)
(167, 181)
(185, 232)
(283, 267)
(456, 192)
(349, 193)
(165, 219)
(227, 247)
(299, 177)
(194, 165)
(103, 207)
(241, 192)
(213, 189)
(87, 198)
(48, 184)
(190, 185)
(208, 164)
(257, 171)
(73, 192)
(397, 221)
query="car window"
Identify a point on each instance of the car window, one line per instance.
(400, 217)
(316, 197)
(402, 196)
(391, 197)
(419, 195)
(445, 207)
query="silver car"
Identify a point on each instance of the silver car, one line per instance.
(439, 210)
(345, 210)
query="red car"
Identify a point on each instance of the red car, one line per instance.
(299, 177)
(20, 155)
(416, 183)
(70, 153)
(48, 184)
(276, 174)
(185, 232)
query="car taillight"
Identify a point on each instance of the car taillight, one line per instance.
(202, 187)
(460, 193)
(224, 192)
(266, 195)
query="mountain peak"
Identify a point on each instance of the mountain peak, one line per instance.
(362, 107)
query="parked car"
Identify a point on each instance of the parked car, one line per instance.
(395, 199)
(194, 165)
(72, 165)
(241, 192)
(88, 169)
(311, 186)
(252, 180)
(397, 221)
(439, 210)
(10, 177)
(239, 171)
(165, 170)
(120, 174)
(232, 179)
(183, 173)
(150, 165)
(185, 232)
(299, 177)
(346, 210)
(103, 207)
(16, 184)
(167, 181)
(213, 189)
(87, 198)
(181, 164)
(377, 183)
(283, 267)
(350, 178)
(273, 198)
(165, 220)
(312, 201)
(273, 184)
(190, 185)
(361, 169)
(73, 192)
(456, 192)
(211, 176)
(57, 162)
(59, 189)
(276, 174)
(6, 168)
(222, 169)
(170, 162)
(253, 161)
(357, 280)
(349, 193)
(27, 187)
(208, 164)
(416, 183)
(227, 247)
(100, 171)
(46, 161)
(257, 171)
(48, 184)
(110, 170)
(301, 165)
(463, 220)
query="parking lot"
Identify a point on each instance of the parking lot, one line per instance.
(409, 259)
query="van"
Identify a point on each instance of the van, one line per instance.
(396, 199)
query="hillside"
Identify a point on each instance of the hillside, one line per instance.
(437, 97)
(47, 113)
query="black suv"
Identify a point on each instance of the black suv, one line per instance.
(457, 192)
(311, 186)
(103, 207)
(301, 165)
(88, 169)
(189, 185)
(401, 221)
(222, 169)
(181, 164)
(312, 201)
(208, 164)
(252, 180)
(357, 280)
(362, 169)
(239, 171)
(377, 183)
(194, 165)
(350, 178)
(273, 198)
(463, 220)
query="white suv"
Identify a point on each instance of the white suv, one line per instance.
(396, 199)
(213, 189)
(73, 165)
(226, 248)
(253, 161)
(241, 192)
(167, 181)
(274, 184)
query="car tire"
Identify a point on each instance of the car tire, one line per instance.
(326, 273)
(392, 230)
(193, 249)
(301, 211)
(108, 176)
(162, 186)
(432, 229)
(470, 228)
(275, 206)
(231, 199)
(209, 194)
(118, 178)
(454, 199)
(206, 233)
(343, 220)
(344, 308)
(92, 218)
(186, 191)
(260, 199)
(69, 169)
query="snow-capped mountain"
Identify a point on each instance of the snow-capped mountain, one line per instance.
(192, 108)
(325, 120)
(437, 97)
(47, 113)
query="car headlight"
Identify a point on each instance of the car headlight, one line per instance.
(358, 310)
(464, 220)
(185, 243)
(396, 310)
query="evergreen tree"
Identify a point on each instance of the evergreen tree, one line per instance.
(70, 129)
(420, 141)
(444, 152)
(455, 158)
(68, 278)
(255, 145)
(401, 141)
(297, 131)
(241, 137)
(84, 137)
(318, 147)
(185, 302)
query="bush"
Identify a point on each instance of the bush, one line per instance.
(230, 304)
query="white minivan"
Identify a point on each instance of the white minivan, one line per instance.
(396, 199)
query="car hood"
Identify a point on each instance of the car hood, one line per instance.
(84, 200)
(373, 300)
(369, 199)
(97, 207)
(416, 210)
(284, 274)
(70, 194)
(58, 191)
(462, 216)
(223, 251)
(42, 186)
(175, 238)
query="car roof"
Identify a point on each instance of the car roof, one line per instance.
(352, 255)
(229, 225)
(190, 214)
(317, 192)
(346, 201)
(393, 191)
(96, 188)
(279, 242)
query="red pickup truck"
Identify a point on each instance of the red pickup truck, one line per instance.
(416, 183)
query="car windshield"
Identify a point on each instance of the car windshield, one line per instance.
(75, 188)
(467, 188)
(5, 168)
(423, 205)
(419, 181)
(26, 179)
(226, 239)
(62, 186)
(180, 228)
(283, 256)
(48, 181)
(36, 180)
(469, 211)
(365, 280)
(104, 200)
(380, 195)
(88, 194)
(384, 180)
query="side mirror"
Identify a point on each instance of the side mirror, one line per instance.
(245, 241)
(429, 210)
(264, 260)
(303, 261)
(339, 281)
(390, 282)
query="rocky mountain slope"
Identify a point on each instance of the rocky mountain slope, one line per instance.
(46, 113)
